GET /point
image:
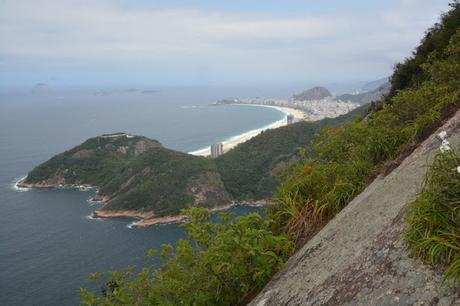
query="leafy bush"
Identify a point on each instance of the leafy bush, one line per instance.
(434, 217)
(222, 263)
(436, 40)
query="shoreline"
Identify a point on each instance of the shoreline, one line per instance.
(19, 185)
(147, 218)
(233, 141)
(144, 218)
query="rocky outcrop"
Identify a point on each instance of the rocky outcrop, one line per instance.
(207, 189)
(55, 181)
(100, 213)
(358, 258)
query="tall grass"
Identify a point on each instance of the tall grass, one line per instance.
(433, 230)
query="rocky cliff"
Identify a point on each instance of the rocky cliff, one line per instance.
(358, 258)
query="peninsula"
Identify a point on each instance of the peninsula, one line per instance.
(135, 177)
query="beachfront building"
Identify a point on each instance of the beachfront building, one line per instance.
(217, 149)
(290, 119)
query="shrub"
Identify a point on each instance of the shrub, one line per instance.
(222, 263)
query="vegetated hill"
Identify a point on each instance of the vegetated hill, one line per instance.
(367, 97)
(165, 181)
(315, 93)
(134, 173)
(250, 171)
(94, 162)
(410, 71)
(370, 86)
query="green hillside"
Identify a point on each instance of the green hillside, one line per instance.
(135, 173)
(250, 171)
(93, 162)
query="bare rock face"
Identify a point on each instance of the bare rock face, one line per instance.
(143, 145)
(83, 153)
(207, 189)
(359, 258)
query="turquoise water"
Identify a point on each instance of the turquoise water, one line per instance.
(48, 244)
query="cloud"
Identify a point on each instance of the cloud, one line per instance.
(104, 29)
(108, 31)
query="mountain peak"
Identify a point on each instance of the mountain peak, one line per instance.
(315, 93)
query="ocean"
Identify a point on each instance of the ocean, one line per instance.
(48, 243)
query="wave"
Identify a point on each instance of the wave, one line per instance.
(92, 202)
(92, 217)
(130, 225)
(15, 187)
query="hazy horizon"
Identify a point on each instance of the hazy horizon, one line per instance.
(151, 44)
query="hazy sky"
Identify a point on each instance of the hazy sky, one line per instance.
(234, 42)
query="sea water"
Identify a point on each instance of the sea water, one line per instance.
(49, 244)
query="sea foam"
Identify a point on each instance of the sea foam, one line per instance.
(14, 184)
(92, 217)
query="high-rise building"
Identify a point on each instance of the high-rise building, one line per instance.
(217, 149)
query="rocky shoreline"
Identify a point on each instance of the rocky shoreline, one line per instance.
(148, 218)
(83, 187)
(145, 218)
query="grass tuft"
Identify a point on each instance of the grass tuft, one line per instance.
(433, 231)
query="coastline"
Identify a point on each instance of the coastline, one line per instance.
(233, 141)
(144, 218)
(147, 218)
(19, 185)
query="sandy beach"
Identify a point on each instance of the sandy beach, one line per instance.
(236, 140)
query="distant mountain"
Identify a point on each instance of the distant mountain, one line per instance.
(315, 93)
(40, 88)
(366, 97)
(375, 84)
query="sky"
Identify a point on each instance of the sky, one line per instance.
(104, 43)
